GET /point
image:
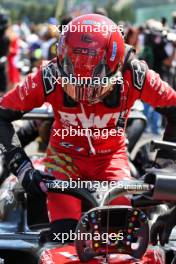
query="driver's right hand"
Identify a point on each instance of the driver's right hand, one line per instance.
(33, 181)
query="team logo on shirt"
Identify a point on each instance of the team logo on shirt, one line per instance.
(90, 121)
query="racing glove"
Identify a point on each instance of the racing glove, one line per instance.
(163, 227)
(32, 180)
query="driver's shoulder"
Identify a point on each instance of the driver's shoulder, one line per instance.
(136, 68)
(50, 75)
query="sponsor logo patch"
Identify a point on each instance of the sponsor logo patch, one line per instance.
(114, 51)
(139, 70)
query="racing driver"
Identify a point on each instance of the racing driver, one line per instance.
(93, 54)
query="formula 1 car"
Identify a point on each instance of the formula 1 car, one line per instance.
(20, 243)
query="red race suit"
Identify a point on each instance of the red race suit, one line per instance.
(99, 156)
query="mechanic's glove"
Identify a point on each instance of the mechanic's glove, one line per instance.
(20, 165)
(163, 227)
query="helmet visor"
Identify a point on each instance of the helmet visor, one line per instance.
(88, 89)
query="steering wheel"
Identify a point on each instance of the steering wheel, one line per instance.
(114, 229)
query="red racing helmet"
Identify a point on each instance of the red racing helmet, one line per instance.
(90, 52)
